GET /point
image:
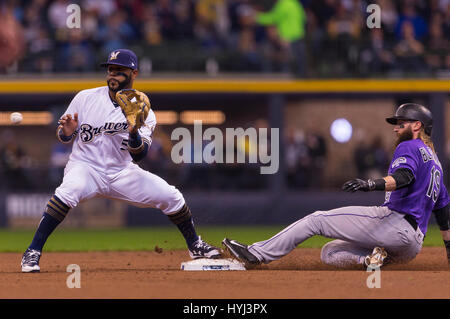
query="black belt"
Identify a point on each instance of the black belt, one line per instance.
(411, 220)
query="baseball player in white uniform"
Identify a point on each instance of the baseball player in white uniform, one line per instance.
(102, 162)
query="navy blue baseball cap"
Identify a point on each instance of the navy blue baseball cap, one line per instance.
(122, 57)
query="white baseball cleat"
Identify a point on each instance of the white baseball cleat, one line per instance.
(376, 259)
(30, 261)
(202, 249)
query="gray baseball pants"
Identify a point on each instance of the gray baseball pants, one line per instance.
(356, 230)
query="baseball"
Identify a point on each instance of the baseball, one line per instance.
(16, 117)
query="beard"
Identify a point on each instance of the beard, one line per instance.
(405, 136)
(122, 84)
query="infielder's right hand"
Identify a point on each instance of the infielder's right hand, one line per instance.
(68, 124)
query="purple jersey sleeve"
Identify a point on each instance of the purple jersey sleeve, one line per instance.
(404, 157)
(443, 198)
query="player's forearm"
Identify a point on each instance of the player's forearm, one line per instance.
(390, 184)
(401, 178)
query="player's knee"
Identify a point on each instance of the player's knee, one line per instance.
(330, 252)
(74, 191)
(314, 221)
(172, 202)
(327, 252)
(69, 198)
(57, 208)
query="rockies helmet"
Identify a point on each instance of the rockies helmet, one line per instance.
(413, 112)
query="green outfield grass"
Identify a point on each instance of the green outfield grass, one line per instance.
(147, 238)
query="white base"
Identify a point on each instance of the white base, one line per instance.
(202, 264)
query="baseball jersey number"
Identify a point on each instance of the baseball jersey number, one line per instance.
(433, 188)
(124, 145)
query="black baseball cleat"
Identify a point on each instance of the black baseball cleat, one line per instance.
(30, 261)
(202, 249)
(240, 251)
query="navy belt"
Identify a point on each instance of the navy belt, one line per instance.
(411, 220)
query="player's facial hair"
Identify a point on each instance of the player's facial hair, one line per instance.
(405, 136)
(123, 84)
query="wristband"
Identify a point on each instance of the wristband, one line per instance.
(61, 137)
(377, 184)
(135, 144)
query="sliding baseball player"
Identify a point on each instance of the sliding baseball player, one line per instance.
(371, 236)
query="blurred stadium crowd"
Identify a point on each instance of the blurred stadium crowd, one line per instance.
(319, 38)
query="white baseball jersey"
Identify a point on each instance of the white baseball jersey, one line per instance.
(100, 164)
(102, 134)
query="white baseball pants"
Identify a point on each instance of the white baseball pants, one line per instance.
(132, 185)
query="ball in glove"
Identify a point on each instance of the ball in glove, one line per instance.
(135, 106)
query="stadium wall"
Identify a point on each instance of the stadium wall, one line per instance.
(303, 104)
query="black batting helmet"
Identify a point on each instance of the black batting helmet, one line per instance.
(413, 112)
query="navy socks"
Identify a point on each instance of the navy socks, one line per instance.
(46, 226)
(188, 231)
(183, 220)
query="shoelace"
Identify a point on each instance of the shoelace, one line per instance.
(201, 244)
(32, 256)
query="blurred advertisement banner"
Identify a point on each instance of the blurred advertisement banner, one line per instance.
(25, 211)
(25, 205)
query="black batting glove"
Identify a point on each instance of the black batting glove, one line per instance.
(358, 185)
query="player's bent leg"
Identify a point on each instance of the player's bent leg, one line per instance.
(79, 183)
(144, 189)
(340, 253)
(353, 223)
(403, 256)
(197, 247)
(54, 214)
(404, 242)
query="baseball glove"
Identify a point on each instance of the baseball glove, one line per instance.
(135, 106)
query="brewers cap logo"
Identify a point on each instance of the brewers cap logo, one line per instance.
(114, 55)
(126, 58)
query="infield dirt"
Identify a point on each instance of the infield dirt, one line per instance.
(151, 274)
